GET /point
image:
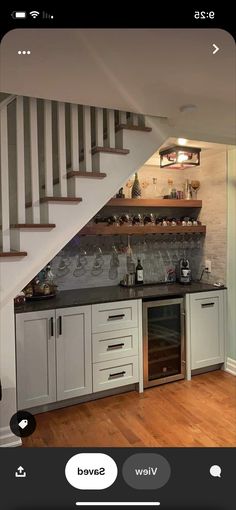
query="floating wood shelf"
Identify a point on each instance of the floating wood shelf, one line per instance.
(153, 202)
(106, 230)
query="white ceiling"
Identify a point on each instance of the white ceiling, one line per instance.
(151, 71)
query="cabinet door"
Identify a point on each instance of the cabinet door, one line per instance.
(207, 329)
(35, 350)
(73, 352)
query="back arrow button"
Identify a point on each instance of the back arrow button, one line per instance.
(215, 48)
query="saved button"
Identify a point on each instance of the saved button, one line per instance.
(91, 471)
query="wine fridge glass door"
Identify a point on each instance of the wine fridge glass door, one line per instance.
(164, 341)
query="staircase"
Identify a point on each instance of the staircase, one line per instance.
(60, 163)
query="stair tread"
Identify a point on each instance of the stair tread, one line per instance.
(60, 199)
(77, 173)
(112, 150)
(88, 175)
(33, 225)
(145, 129)
(13, 253)
(56, 199)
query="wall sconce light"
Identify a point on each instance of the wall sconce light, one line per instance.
(179, 157)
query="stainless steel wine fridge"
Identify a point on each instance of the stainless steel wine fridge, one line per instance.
(164, 341)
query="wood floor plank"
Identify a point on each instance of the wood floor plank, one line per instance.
(196, 413)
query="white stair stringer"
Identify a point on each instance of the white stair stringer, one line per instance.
(41, 246)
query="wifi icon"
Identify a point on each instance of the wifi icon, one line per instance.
(34, 14)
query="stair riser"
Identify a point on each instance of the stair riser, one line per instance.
(16, 239)
(119, 139)
(19, 236)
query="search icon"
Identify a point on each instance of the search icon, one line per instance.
(215, 471)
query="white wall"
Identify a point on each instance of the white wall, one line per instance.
(231, 273)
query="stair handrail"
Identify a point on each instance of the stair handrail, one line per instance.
(5, 102)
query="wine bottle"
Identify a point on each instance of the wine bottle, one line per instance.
(139, 273)
(136, 188)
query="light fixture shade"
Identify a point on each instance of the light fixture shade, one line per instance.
(179, 156)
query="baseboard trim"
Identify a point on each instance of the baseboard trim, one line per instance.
(7, 439)
(230, 366)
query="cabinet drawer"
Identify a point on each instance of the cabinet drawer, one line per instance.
(114, 374)
(114, 316)
(113, 345)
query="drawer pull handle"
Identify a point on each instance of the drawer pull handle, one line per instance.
(205, 305)
(116, 317)
(117, 374)
(115, 346)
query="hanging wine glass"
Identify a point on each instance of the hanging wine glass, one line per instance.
(80, 268)
(98, 263)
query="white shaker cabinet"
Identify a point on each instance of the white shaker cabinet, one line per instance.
(53, 355)
(206, 328)
(73, 352)
(35, 351)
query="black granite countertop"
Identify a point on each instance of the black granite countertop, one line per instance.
(95, 295)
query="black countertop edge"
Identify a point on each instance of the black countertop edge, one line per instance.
(91, 296)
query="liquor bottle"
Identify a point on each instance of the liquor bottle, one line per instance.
(136, 188)
(170, 186)
(139, 273)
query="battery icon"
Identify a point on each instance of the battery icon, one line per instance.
(18, 14)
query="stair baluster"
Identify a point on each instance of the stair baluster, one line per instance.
(5, 182)
(74, 132)
(87, 139)
(111, 128)
(34, 160)
(99, 127)
(20, 159)
(48, 146)
(62, 148)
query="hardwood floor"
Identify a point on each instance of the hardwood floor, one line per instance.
(197, 413)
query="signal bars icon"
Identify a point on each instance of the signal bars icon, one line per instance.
(46, 15)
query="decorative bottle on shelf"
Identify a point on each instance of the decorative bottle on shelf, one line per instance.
(136, 188)
(139, 273)
(154, 181)
(170, 186)
(187, 190)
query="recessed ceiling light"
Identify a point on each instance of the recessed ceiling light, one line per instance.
(187, 108)
(182, 141)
